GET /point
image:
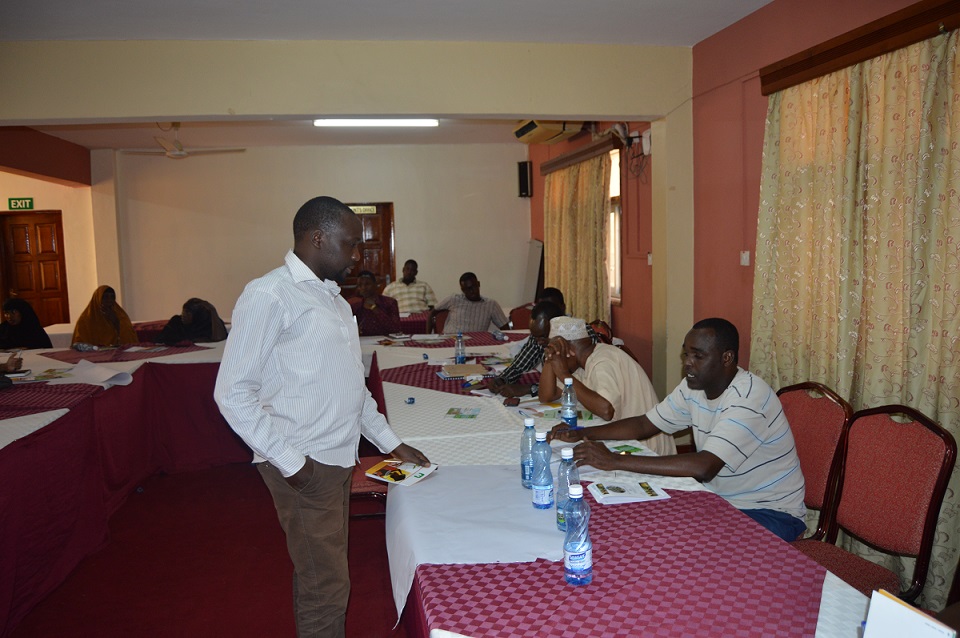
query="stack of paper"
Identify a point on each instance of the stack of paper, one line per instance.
(890, 617)
(626, 491)
(462, 370)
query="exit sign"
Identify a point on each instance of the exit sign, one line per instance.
(20, 203)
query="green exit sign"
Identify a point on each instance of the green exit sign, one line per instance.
(20, 203)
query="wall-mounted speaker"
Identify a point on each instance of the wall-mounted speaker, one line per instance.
(525, 178)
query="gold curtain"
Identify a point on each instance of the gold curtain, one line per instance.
(576, 204)
(857, 281)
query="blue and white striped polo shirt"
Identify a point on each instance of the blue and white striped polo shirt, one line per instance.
(746, 428)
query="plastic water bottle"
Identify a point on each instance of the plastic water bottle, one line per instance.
(459, 352)
(577, 548)
(568, 404)
(567, 476)
(542, 476)
(527, 439)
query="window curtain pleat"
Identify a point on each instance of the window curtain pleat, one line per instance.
(576, 204)
(857, 280)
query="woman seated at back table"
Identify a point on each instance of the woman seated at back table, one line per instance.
(21, 327)
(197, 322)
(376, 314)
(103, 322)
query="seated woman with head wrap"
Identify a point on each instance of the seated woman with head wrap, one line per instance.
(21, 328)
(197, 322)
(103, 322)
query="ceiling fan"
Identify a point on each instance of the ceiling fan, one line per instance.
(175, 150)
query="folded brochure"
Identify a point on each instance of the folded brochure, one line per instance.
(397, 472)
(626, 491)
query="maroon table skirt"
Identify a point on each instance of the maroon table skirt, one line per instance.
(60, 484)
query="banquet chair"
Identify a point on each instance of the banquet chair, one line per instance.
(520, 316)
(891, 483)
(361, 487)
(439, 319)
(603, 330)
(818, 417)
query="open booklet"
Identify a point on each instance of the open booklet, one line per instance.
(82, 372)
(397, 472)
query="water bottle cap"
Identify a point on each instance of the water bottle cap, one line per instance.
(568, 381)
(542, 436)
(566, 453)
(576, 491)
(528, 422)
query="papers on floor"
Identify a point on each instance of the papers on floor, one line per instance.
(626, 491)
(393, 471)
(890, 617)
(92, 373)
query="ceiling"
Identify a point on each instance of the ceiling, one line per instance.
(647, 22)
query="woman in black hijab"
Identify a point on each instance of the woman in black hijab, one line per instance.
(21, 328)
(198, 321)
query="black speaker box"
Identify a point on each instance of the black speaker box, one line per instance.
(525, 173)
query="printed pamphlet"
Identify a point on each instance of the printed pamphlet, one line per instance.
(399, 473)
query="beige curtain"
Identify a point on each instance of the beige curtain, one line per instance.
(576, 203)
(857, 281)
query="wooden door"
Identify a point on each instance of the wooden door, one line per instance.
(34, 265)
(376, 251)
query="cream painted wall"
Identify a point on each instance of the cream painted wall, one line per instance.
(74, 203)
(206, 225)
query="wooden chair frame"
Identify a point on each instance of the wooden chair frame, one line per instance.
(922, 566)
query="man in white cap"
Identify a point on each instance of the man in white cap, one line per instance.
(607, 380)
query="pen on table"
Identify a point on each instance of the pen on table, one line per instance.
(470, 383)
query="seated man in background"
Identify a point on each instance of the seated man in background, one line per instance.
(607, 380)
(411, 294)
(746, 449)
(530, 356)
(376, 314)
(198, 322)
(469, 312)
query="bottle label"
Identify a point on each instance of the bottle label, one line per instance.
(569, 419)
(460, 358)
(526, 470)
(543, 496)
(578, 561)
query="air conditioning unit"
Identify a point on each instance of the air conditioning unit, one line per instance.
(546, 132)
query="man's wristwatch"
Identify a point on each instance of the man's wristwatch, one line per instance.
(534, 389)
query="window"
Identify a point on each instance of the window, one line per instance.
(613, 229)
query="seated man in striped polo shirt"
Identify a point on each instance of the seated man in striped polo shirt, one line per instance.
(469, 312)
(746, 452)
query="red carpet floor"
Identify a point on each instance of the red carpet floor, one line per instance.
(202, 554)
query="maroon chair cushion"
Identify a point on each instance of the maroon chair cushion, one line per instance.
(857, 572)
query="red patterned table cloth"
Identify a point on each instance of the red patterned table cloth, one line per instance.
(424, 375)
(117, 354)
(33, 398)
(415, 323)
(688, 566)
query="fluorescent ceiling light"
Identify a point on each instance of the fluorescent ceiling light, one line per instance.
(393, 122)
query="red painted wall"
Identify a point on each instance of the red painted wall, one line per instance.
(728, 123)
(633, 319)
(28, 152)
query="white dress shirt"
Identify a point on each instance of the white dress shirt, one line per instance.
(291, 382)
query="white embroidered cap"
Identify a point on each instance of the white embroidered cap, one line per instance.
(570, 328)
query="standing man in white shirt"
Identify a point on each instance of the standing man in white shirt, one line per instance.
(291, 384)
(412, 295)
